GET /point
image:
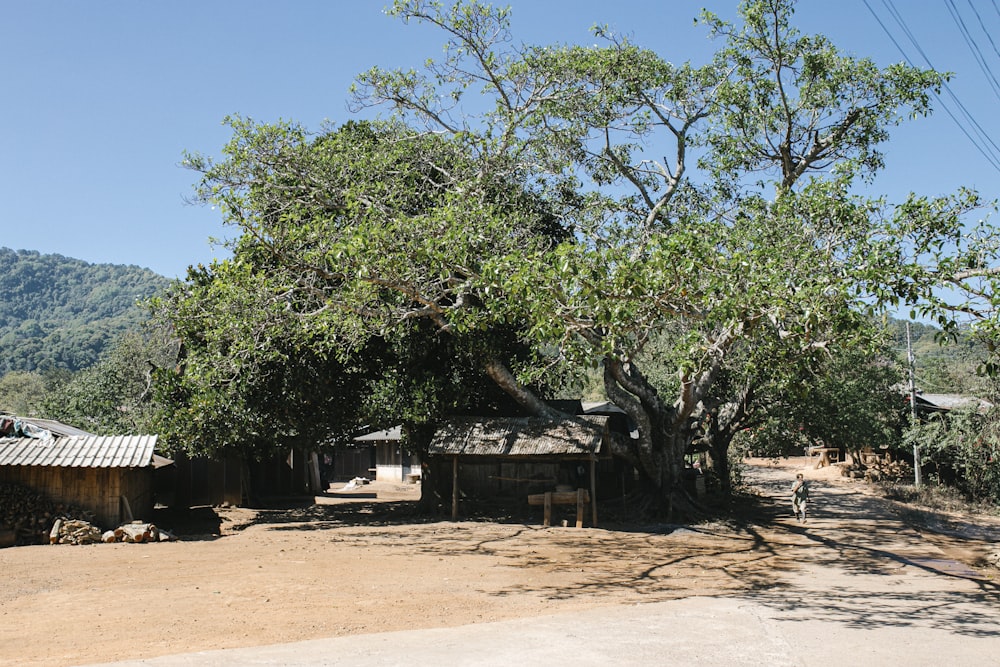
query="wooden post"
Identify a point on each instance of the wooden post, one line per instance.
(454, 488)
(547, 521)
(579, 507)
(593, 491)
(315, 486)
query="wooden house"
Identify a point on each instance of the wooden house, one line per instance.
(515, 457)
(110, 476)
(393, 463)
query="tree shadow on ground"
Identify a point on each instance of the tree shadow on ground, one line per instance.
(659, 560)
(870, 539)
(757, 551)
(189, 523)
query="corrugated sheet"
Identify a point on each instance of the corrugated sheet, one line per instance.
(954, 401)
(92, 451)
(57, 428)
(393, 433)
(519, 436)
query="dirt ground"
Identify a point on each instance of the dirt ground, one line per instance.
(356, 562)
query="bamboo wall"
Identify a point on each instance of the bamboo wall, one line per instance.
(510, 479)
(203, 481)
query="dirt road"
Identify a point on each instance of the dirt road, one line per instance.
(855, 578)
(874, 587)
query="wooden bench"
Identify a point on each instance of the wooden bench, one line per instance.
(581, 497)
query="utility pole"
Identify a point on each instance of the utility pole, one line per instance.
(910, 362)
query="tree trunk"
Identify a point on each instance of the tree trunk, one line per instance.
(728, 417)
(720, 461)
(659, 453)
(418, 439)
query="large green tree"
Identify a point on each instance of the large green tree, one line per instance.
(523, 189)
(748, 239)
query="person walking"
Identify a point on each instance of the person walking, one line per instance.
(800, 497)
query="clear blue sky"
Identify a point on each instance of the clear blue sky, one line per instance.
(101, 99)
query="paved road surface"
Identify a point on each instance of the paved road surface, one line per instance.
(869, 591)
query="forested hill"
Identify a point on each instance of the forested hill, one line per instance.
(61, 313)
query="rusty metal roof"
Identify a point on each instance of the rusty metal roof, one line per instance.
(92, 451)
(519, 436)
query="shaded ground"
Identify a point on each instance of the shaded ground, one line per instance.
(352, 564)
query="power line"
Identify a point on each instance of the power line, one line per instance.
(982, 26)
(992, 155)
(984, 143)
(977, 53)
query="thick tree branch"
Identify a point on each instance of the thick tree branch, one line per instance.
(500, 374)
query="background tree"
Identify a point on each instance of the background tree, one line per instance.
(115, 396)
(21, 393)
(961, 449)
(550, 215)
(850, 401)
(763, 247)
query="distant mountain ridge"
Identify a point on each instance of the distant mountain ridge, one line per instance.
(62, 313)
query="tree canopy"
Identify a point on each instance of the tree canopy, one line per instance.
(523, 189)
(325, 318)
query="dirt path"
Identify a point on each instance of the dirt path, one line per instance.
(355, 564)
(863, 570)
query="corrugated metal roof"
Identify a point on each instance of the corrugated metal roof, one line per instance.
(519, 436)
(91, 451)
(57, 429)
(953, 401)
(394, 433)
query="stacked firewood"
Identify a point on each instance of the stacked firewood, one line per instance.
(30, 517)
(71, 531)
(74, 531)
(137, 531)
(882, 471)
(27, 516)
